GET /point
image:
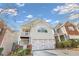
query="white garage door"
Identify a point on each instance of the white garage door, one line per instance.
(42, 44)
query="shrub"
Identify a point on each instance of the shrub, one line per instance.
(77, 46)
(66, 43)
(74, 43)
(28, 51)
(60, 45)
(25, 52)
(21, 52)
(1, 49)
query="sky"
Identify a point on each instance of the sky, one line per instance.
(15, 14)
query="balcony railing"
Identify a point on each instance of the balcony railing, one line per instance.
(56, 34)
(25, 34)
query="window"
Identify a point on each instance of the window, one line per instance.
(0, 29)
(71, 28)
(42, 30)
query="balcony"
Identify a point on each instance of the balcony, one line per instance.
(59, 33)
(24, 34)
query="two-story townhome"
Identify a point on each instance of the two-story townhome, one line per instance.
(38, 33)
(68, 30)
(7, 38)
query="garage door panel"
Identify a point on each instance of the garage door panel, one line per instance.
(48, 44)
(35, 44)
(42, 44)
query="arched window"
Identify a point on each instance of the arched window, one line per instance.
(42, 30)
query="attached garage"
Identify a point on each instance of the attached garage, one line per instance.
(42, 44)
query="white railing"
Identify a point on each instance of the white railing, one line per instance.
(25, 34)
(56, 34)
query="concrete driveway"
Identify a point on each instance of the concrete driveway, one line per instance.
(56, 52)
(64, 52)
(43, 53)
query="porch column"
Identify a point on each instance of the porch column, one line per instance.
(59, 38)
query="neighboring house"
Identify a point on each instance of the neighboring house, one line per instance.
(78, 26)
(7, 38)
(38, 33)
(65, 31)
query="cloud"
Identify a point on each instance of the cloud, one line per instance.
(66, 8)
(26, 19)
(74, 16)
(57, 21)
(29, 16)
(22, 21)
(1, 10)
(8, 11)
(20, 4)
(72, 9)
(19, 21)
(48, 20)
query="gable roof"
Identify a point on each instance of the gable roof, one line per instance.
(69, 24)
(33, 22)
(59, 25)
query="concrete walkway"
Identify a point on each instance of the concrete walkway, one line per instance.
(43, 53)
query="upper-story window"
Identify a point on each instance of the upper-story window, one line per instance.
(0, 29)
(42, 30)
(71, 28)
